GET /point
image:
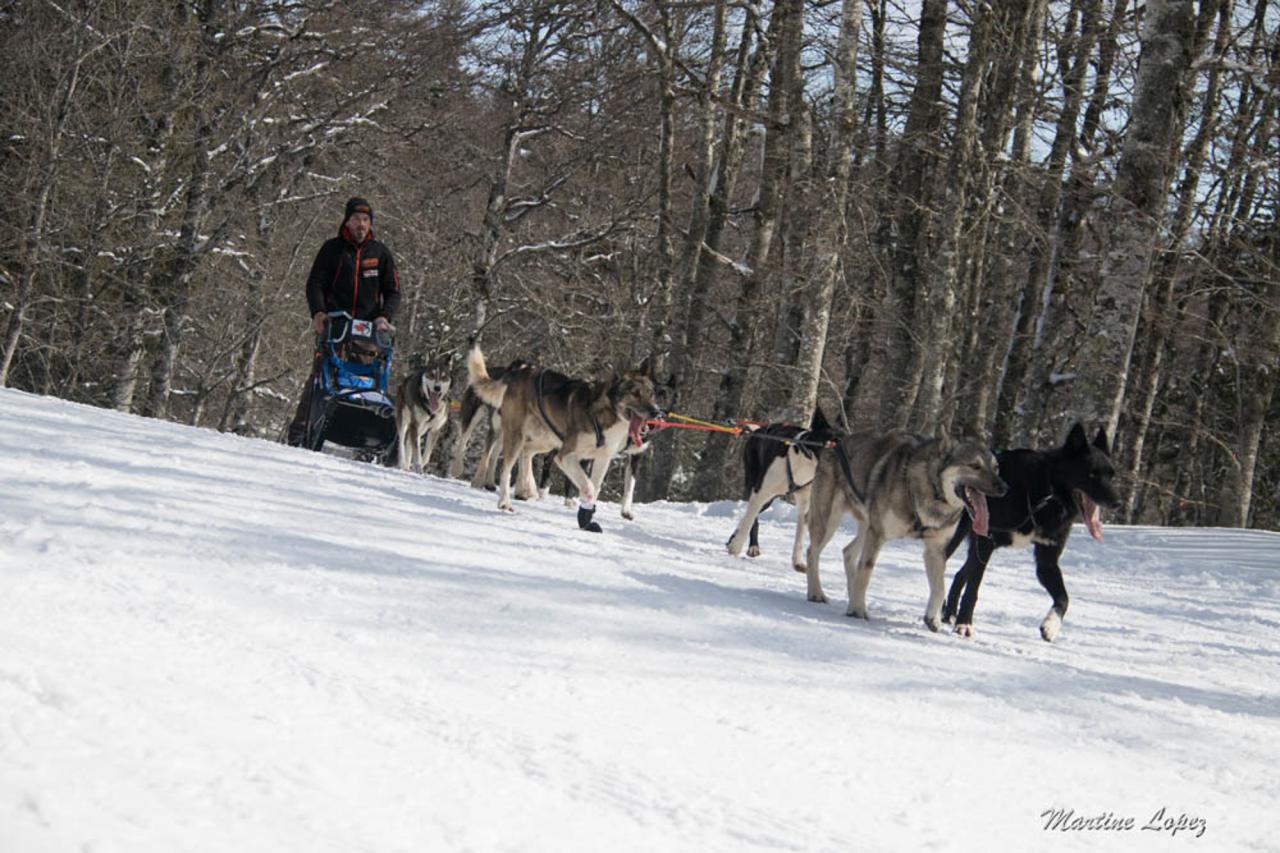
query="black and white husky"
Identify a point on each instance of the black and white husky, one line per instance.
(422, 409)
(1048, 492)
(779, 459)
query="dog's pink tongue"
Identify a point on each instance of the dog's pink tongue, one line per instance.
(433, 400)
(978, 509)
(636, 425)
(1092, 517)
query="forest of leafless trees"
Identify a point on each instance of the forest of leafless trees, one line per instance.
(997, 215)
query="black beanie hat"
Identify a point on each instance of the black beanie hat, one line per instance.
(357, 205)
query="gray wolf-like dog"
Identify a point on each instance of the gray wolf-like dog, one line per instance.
(898, 485)
(543, 410)
(422, 409)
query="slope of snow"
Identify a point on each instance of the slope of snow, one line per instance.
(212, 643)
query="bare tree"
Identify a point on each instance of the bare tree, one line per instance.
(786, 26)
(828, 242)
(1137, 207)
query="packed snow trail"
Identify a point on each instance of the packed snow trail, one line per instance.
(212, 643)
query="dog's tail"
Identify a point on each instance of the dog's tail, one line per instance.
(488, 389)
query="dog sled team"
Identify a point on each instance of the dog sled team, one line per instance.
(945, 491)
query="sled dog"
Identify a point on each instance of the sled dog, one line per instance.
(474, 412)
(897, 485)
(1048, 492)
(543, 410)
(422, 409)
(779, 459)
(634, 453)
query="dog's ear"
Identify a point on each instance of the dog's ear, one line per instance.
(1077, 441)
(818, 423)
(1100, 440)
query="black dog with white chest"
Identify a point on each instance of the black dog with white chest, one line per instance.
(1048, 492)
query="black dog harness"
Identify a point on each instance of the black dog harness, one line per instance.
(792, 485)
(542, 410)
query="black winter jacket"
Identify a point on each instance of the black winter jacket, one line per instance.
(360, 280)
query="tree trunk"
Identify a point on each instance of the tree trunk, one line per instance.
(662, 310)
(828, 243)
(1141, 187)
(744, 336)
(1051, 329)
(699, 262)
(1255, 385)
(33, 237)
(1073, 62)
(937, 307)
(235, 413)
(779, 373)
(905, 235)
(174, 288)
(1152, 364)
(992, 298)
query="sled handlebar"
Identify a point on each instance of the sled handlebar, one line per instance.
(382, 337)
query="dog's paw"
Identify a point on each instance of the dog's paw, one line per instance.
(817, 598)
(753, 551)
(964, 630)
(508, 508)
(1050, 626)
(585, 522)
(629, 516)
(933, 623)
(800, 567)
(855, 613)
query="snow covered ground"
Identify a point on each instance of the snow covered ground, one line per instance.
(210, 643)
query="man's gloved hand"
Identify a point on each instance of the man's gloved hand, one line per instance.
(382, 324)
(317, 322)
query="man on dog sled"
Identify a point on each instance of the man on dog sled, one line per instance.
(353, 272)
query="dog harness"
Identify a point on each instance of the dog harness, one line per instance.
(917, 525)
(792, 486)
(542, 410)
